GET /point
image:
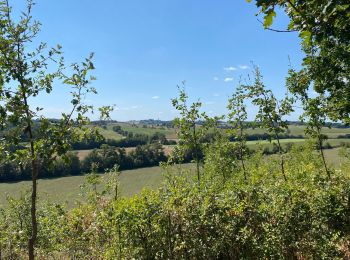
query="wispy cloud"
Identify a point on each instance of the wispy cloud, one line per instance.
(243, 67)
(127, 108)
(216, 95)
(209, 103)
(228, 79)
(155, 97)
(230, 68)
(216, 78)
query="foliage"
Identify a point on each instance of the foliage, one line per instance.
(191, 136)
(323, 27)
(25, 74)
(271, 112)
(315, 113)
(237, 117)
(264, 217)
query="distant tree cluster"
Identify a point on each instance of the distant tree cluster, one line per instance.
(104, 158)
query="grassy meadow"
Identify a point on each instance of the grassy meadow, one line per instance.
(170, 133)
(67, 189)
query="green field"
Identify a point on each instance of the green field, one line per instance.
(67, 189)
(251, 144)
(139, 129)
(109, 133)
(266, 143)
(170, 133)
(300, 130)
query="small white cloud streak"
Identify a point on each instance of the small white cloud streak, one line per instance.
(230, 68)
(127, 108)
(243, 67)
(155, 97)
(216, 95)
(216, 78)
(228, 79)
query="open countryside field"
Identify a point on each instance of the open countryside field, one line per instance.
(170, 133)
(140, 129)
(251, 144)
(67, 189)
(109, 134)
(332, 142)
(297, 130)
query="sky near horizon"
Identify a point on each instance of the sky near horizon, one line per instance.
(144, 49)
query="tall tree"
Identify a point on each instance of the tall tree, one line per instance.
(237, 118)
(324, 27)
(271, 112)
(26, 73)
(191, 134)
(315, 110)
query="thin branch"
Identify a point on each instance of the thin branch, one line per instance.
(276, 30)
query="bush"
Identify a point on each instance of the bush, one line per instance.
(262, 217)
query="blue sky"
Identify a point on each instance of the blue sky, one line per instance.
(143, 49)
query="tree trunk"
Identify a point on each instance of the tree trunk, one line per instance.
(35, 173)
(243, 164)
(241, 146)
(320, 143)
(32, 239)
(196, 153)
(281, 156)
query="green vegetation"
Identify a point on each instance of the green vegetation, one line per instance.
(68, 189)
(109, 133)
(232, 203)
(144, 129)
(219, 219)
(293, 129)
(323, 28)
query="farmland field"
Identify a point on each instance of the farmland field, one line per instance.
(109, 134)
(251, 144)
(67, 189)
(297, 130)
(139, 129)
(294, 130)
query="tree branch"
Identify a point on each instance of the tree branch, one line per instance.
(276, 30)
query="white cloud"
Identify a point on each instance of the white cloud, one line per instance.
(155, 97)
(126, 108)
(230, 68)
(243, 67)
(215, 78)
(228, 79)
(209, 103)
(216, 95)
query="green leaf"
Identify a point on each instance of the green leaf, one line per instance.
(268, 19)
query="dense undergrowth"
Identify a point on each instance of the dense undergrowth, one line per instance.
(226, 217)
